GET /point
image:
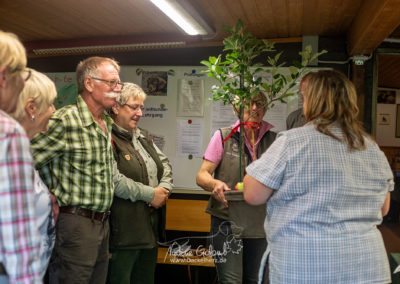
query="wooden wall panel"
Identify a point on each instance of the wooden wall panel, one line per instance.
(389, 71)
(390, 152)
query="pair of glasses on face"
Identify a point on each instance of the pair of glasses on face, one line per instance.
(112, 83)
(25, 73)
(258, 104)
(135, 108)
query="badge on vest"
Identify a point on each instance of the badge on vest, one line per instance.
(127, 157)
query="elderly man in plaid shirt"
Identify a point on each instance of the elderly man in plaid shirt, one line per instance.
(19, 239)
(75, 160)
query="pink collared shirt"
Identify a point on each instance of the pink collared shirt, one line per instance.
(215, 149)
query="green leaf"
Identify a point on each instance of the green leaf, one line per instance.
(271, 61)
(297, 64)
(239, 25)
(316, 55)
(206, 63)
(286, 95)
(293, 70)
(276, 58)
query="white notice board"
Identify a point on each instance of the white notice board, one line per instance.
(179, 112)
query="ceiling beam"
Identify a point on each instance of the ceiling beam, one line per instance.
(375, 21)
(108, 44)
(115, 44)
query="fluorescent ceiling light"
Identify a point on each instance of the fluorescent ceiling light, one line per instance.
(182, 18)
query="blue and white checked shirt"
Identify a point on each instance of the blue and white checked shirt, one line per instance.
(321, 220)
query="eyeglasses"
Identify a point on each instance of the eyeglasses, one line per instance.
(135, 108)
(259, 104)
(112, 83)
(25, 73)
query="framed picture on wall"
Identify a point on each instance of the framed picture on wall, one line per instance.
(386, 96)
(398, 121)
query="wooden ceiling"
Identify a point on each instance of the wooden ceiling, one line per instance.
(47, 23)
(389, 71)
(44, 24)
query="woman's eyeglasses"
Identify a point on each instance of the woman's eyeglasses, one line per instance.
(259, 104)
(135, 108)
(25, 73)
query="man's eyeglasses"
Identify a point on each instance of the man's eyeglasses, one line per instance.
(135, 108)
(112, 83)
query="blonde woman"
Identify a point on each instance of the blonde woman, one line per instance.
(327, 185)
(33, 111)
(19, 242)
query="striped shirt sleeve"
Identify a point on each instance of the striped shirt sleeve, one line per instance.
(47, 145)
(19, 239)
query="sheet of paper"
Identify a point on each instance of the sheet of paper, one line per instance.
(159, 140)
(190, 97)
(221, 116)
(189, 137)
(155, 111)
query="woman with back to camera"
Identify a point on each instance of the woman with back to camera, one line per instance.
(33, 112)
(327, 185)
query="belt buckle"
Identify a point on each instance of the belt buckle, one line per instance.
(105, 215)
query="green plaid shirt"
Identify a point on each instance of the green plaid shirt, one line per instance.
(75, 158)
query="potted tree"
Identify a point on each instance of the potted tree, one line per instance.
(239, 78)
(239, 75)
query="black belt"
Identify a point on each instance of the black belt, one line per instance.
(2, 269)
(99, 216)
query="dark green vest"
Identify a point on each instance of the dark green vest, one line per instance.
(131, 225)
(228, 169)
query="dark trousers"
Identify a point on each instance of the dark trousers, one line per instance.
(80, 252)
(237, 260)
(132, 266)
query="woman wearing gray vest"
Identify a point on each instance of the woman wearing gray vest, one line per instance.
(135, 226)
(237, 252)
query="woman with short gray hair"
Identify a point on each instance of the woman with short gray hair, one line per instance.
(135, 226)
